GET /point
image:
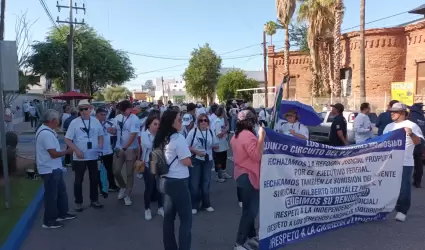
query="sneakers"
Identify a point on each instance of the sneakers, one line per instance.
(96, 205)
(121, 194)
(240, 204)
(209, 209)
(220, 179)
(52, 225)
(127, 201)
(400, 217)
(194, 211)
(161, 211)
(79, 208)
(67, 216)
(225, 175)
(243, 247)
(148, 214)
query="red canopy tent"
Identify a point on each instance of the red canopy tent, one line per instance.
(72, 95)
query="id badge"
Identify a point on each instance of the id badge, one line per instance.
(89, 145)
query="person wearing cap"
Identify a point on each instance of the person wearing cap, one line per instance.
(293, 127)
(413, 137)
(85, 137)
(187, 124)
(107, 154)
(362, 124)
(417, 116)
(126, 149)
(384, 118)
(247, 152)
(143, 113)
(338, 133)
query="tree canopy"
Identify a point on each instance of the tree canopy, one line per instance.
(232, 81)
(116, 93)
(202, 74)
(97, 63)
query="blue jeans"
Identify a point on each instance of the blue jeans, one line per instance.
(250, 205)
(176, 201)
(404, 198)
(233, 123)
(200, 180)
(55, 196)
(151, 191)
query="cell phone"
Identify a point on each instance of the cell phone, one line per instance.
(89, 145)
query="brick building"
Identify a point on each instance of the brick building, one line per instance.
(392, 55)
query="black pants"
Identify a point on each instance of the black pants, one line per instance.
(27, 116)
(418, 170)
(108, 162)
(151, 190)
(68, 157)
(263, 123)
(220, 158)
(80, 169)
(238, 193)
(33, 121)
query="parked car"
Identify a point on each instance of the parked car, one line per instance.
(321, 132)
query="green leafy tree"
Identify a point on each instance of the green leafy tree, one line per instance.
(202, 74)
(97, 63)
(98, 96)
(116, 93)
(270, 29)
(229, 83)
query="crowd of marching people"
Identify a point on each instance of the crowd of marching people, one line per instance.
(175, 149)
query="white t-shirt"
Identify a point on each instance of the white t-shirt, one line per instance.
(130, 124)
(26, 106)
(212, 119)
(297, 127)
(107, 147)
(147, 145)
(409, 146)
(222, 143)
(46, 139)
(263, 115)
(64, 117)
(362, 128)
(162, 109)
(177, 150)
(203, 141)
(32, 111)
(77, 133)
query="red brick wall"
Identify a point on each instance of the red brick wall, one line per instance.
(391, 56)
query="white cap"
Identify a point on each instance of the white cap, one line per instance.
(84, 103)
(144, 105)
(187, 119)
(234, 102)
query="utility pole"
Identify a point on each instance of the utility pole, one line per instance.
(266, 92)
(163, 91)
(362, 53)
(71, 23)
(3, 10)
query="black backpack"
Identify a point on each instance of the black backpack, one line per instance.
(158, 162)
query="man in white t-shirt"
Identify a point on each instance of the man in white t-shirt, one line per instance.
(263, 116)
(413, 137)
(108, 153)
(127, 126)
(85, 137)
(49, 167)
(362, 124)
(66, 114)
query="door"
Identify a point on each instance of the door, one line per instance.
(420, 79)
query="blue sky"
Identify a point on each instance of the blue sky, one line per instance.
(173, 28)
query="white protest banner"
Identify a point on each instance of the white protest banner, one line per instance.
(307, 188)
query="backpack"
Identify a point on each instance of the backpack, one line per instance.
(158, 162)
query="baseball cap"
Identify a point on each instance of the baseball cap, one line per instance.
(338, 106)
(187, 119)
(398, 107)
(143, 105)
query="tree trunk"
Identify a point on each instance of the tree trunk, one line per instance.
(362, 53)
(286, 60)
(337, 48)
(331, 66)
(325, 68)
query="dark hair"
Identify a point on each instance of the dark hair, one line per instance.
(65, 107)
(364, 106)
(100, 110)
(253, 111)
(155, 113)
(248, 124)
(190, 107)
(112, 114)
(166, 128)
(149, 121)
(392, 103)
(219, 112)
(213, 109)
(126, 104)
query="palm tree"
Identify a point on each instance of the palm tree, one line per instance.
(362, 52)
(285, 11)
(339, 14)
(318, 14)
(270, 29)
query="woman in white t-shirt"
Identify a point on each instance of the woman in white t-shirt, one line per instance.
(220, 153)
(151, 192)
(293, 127)
(201, 141)
(175, 184)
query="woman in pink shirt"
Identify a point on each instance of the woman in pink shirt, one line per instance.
(247, 152)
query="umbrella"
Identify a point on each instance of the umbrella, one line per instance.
(72, 95)
(306, 113)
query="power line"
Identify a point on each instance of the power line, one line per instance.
(377, 20)
(49, 14)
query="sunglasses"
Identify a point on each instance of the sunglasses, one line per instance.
(84, 109)
(203, 120)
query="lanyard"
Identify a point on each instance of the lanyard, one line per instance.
(87, 129)
(122, 123)
(205, 138)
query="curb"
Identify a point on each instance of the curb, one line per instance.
(24, 225)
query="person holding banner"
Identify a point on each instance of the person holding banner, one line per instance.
(413, 137)
(293, 127)
(247, 152)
